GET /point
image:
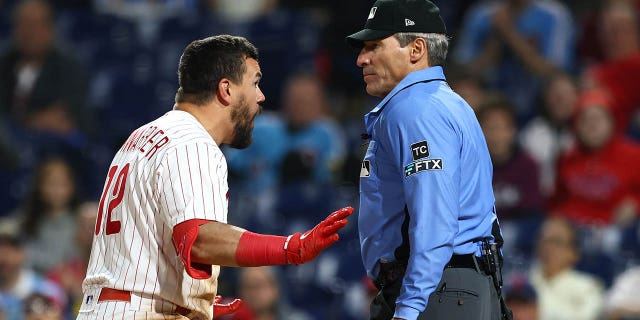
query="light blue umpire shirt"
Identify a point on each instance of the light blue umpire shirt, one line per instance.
(427, 154)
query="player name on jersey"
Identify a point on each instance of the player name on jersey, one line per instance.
(147, 140)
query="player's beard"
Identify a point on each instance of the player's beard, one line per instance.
(242, 134)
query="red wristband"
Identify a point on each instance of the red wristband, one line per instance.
(260, 250)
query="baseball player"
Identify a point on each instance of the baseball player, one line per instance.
(161, 233)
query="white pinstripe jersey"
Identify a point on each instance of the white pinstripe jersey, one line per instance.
(168, 171)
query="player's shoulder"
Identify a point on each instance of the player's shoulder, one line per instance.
(184, 130)
(183, 127)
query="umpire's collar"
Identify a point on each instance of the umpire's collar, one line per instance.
(423, 75)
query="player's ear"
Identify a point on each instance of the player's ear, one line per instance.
(224, 91)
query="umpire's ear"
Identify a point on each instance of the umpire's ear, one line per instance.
(224, 91)
(418, 50)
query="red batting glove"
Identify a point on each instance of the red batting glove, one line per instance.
(302, 248)
(221, 309)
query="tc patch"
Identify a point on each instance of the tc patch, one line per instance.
(428, 164)
(365, 169)
(420, 150)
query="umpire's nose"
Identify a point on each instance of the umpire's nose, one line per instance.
(363, 59)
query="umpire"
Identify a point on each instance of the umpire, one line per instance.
(428, 228)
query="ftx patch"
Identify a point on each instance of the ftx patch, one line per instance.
(422, 165)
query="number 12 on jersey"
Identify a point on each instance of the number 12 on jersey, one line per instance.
(115, 193)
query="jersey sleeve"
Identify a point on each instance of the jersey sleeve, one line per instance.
(427, 148)
(184, 236)
(193, 184)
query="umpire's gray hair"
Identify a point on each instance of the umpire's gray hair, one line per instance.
(437, 45)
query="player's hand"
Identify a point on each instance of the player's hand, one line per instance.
(302, 248)
(221, 309)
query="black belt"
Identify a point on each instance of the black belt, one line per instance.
(392, 271)
(467, 261)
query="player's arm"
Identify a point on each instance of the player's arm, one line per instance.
(204, 243)
(201, 241)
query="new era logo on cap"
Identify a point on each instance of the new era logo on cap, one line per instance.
(372, 13)
(408, 22)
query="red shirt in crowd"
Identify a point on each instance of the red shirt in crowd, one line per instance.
(592, 184)
(621, 78)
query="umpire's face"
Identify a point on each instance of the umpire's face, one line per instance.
(384, 64)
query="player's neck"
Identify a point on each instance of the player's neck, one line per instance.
(211, 118)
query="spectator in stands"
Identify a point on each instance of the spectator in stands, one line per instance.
(47, 217)
(596, 184)
(618, 29)
(549, 134)
(147, 14)
(42, 89)
(563, 292)
(316, 149)
(622, 300)
(619, 73)
(42, 99)
(313, 132)
(521, 297)
(260, 290)
(468, 85)
(141, 8)
(235, 11)
(513, 43)
(515, 173)
(335, 60)
(41, 307)
(17, 281)
(70, 273)
(515, 176)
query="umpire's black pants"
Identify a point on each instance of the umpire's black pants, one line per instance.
(462, 294)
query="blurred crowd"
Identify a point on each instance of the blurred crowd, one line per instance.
(555, 85)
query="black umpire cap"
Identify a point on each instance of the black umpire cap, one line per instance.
(387, 17)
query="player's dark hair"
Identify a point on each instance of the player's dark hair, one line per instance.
(207, 61)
